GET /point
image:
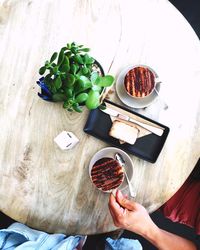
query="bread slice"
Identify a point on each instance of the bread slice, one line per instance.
(124, 132)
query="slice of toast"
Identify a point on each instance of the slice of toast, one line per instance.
(124, 132)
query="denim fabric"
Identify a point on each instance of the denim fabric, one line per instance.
(21, 237)
(122, 244)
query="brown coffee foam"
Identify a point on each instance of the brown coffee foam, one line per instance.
(139, 82)
(107, 174)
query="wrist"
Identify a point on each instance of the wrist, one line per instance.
(152, 233)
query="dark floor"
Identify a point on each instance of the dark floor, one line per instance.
(191, 10)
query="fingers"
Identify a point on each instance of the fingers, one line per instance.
(124, 202)
(114, 205)
(116, 211)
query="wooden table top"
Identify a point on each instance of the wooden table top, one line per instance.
(49, 189)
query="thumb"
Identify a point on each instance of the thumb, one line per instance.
(124, 202)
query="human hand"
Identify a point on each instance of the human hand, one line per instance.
(130, 215)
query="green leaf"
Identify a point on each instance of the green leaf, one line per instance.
(60, 57)
(55, 70)
(48, 79)
(68, 46)
(64, 68)
(84, 79)
(76, 107)
(59, 97)
(73, 69)
(87, 85)
(74, 50)
(105, 81)
(84, 70)
(54, 56)
(57, 82)
(70, 80)
(68, 54)
(65, 105)
(47, 64)
(96, 88)
(81, 97)
(64, 49)
(53, 89)
(42, 70)
(82, 83)
(89, 60)
(78, 59)
(63, 76)
(85, 49)
(93, 100)
(68, 92)
(78, 86)
(94, 77)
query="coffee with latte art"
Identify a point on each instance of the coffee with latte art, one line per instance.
(107, 174)
(139, 82)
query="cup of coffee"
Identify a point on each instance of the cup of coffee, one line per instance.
(107, 174)
(139, 82)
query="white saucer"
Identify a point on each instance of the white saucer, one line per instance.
(127, 99)
(110, 152)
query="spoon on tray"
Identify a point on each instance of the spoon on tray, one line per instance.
(121, 161)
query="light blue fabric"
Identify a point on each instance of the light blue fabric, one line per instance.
(20, 237)
(123, 244)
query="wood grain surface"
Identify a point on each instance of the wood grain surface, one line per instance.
(49, 189)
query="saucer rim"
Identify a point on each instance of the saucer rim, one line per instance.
(127, 99)
(129, 166)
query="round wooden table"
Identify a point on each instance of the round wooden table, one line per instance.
(49, 189)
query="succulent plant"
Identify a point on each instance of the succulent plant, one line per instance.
(73, 77)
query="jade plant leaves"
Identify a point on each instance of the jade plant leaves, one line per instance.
(58, 82)
(81, 98)
(59, 97)
(70, 78)
(42, 70)
(54, 56)
(93, 99)
(105, 81)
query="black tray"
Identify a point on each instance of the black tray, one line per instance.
(147, 147)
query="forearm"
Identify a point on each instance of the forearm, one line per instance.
(164, 240)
